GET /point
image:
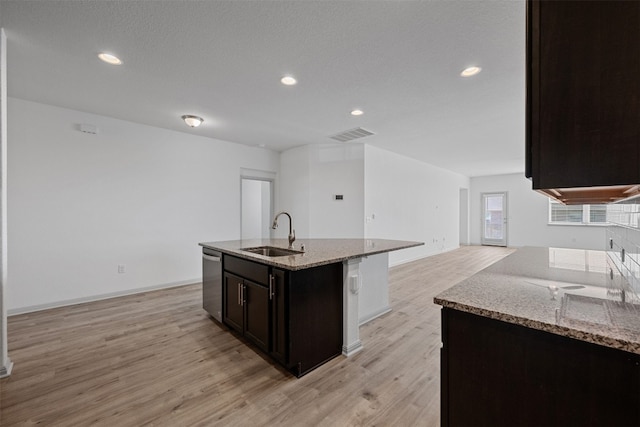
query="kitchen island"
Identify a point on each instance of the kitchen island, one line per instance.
(543, 337)
(300, 308)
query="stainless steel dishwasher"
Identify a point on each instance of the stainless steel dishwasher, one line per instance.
(212, 283)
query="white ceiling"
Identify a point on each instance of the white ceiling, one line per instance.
(399, 61)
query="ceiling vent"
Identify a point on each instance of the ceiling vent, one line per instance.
(352, 134)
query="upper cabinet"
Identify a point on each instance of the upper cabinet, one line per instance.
(583, 99)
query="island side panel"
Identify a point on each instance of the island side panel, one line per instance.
(315, 316)
(373, 298)
(501, 374)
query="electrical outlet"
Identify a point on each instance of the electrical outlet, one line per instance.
(122, 268)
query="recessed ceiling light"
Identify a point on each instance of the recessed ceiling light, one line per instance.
(357, 112)
(288, 80)
(109, 58)
(192, 121)
(470, 71)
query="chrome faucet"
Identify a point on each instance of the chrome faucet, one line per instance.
(292, 232)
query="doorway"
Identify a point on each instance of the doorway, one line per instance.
(464, 216)
(494, 219)
(256, 209)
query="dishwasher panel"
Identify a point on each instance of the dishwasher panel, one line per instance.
(212, 283)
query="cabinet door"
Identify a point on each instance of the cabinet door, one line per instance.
(256, 325)
(583, 104)
(547, 379)
(278, 313)
(233, 309)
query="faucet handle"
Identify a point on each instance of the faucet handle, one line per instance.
(292, 238)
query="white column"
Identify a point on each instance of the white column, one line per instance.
(5, 362)
(351, 283)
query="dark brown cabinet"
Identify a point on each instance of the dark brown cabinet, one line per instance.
(294, 316)
(313, 316)
(499, 374)
(583, 98)
(256, 320)
(232, 308)
(246, 309)
(278, 349)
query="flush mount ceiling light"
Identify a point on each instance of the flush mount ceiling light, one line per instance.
(470, 71)
(109, 58)
(192, 121)
(288, 80)
(357, 112)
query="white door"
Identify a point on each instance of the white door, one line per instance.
(494, 219)
(256, 209)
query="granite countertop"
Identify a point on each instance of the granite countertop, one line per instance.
(562, 291)
(317, 251)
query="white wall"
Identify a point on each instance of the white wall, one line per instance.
(336, 169)
(528, 215)
(80, 204)
(293, 194)
(310, 177)
(410, 200)
(407, 199)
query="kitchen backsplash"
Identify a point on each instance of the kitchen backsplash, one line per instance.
(623, 246)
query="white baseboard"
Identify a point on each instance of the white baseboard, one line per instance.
(5, 371)
(74, 301)
(352, 349)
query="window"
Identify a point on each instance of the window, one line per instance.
(577, 214)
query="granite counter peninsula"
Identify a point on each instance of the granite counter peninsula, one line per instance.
(300, 308)
(543, 337)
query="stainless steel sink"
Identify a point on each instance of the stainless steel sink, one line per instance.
(271, 251)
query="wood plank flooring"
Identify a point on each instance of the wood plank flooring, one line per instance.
(156, 358)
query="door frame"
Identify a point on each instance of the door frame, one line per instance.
(505, 207)
(463, 226)
(258, 175)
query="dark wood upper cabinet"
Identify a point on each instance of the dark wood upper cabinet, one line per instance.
(583, 99)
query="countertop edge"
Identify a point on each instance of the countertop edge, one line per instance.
(317, 263)
(591, 337)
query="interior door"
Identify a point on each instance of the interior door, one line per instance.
(494, 219)
(256, 208)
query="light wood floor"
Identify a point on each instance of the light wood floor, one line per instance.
(157, 359)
